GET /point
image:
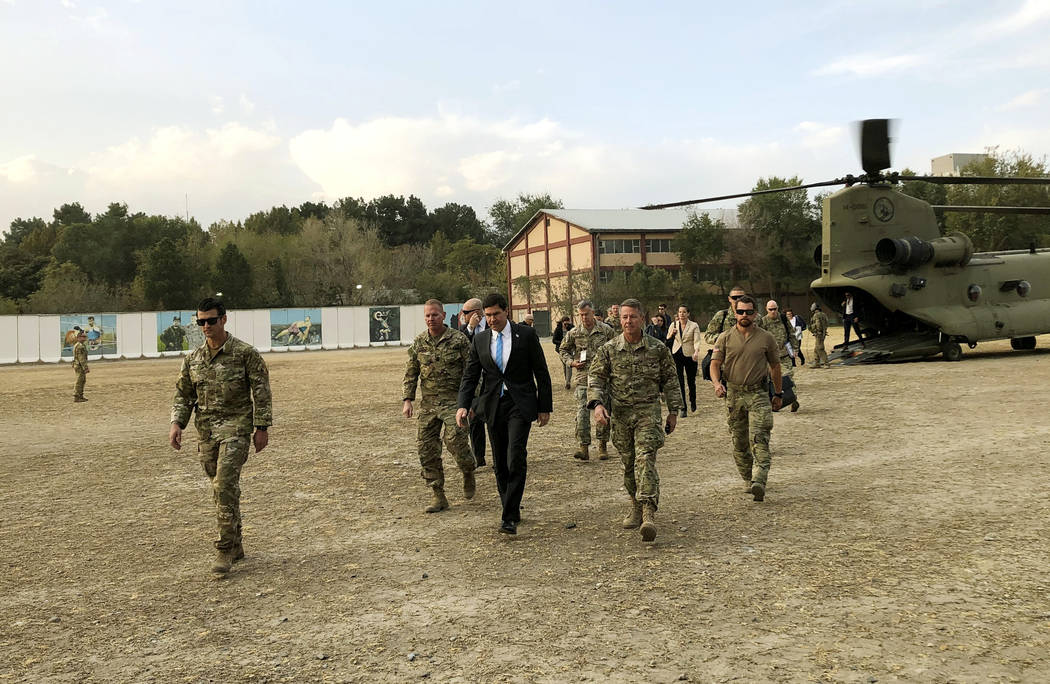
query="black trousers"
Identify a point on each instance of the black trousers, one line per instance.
(477, 436)
(509, 436)
(850, 320)
(686, 366)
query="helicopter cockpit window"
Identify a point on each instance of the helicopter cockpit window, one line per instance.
(974, 292)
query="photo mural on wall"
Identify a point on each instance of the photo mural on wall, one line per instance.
(295, 327)
(384, 324)
(178, 331)
(101, 330)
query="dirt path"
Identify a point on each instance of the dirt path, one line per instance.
(904, 537)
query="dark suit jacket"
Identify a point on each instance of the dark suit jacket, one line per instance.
(526, 375)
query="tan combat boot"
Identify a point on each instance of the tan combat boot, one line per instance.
(648, 522)
(469, 485)
(238, 552)
(603, 451)
(583, 452)
(223, 562)
(634, 516)
(439, 502)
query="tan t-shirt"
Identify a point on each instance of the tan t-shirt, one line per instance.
(745, 360)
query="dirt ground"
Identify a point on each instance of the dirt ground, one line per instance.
(904, 537)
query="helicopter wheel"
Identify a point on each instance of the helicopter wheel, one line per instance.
(951, 351)
(1022, 343)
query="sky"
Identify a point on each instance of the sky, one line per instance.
(221, 109)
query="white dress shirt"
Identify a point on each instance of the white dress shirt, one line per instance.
(506, 345)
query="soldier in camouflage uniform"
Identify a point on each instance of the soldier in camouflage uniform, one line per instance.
(612, 319)
(631, 371)
(578, 348)
(436, 360)
(724, 320)
(776, 325)
(80, 366)
(741, 358)
(818, 327)
(226, 382)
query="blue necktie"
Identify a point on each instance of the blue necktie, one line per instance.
(499, 358)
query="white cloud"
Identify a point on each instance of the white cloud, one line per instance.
(815, 134)
(1026, 99)
(1029, 16)
(870, 64)
(247, 106)
(217, 105)
(20, 170)
(69, 4)
(507, 87)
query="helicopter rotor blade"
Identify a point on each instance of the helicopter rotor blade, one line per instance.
(978, 180)
(875, 145)
(669, 205)
(991, 210)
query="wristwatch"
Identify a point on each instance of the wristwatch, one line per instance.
(778, 394)
(261, 427)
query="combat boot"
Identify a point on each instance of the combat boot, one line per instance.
(603, 451)
(634, 516)
(238, 552)
(794, 406)
(439, 502)
(583, 452)
(77, 400)
(223, 561)
(648, 522)
(469, 486)
(758, 491)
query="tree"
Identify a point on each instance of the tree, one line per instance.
(168, 280)
(702, 242)
(509, 216)
(70, 214)
(20, 229)
(233, 277)
(458, 221)
(787, 226)
(400, 221)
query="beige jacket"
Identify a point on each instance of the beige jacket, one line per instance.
(688, 340)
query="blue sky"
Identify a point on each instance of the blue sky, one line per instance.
(244, 105)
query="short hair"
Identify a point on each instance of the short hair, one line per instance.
(473, 300)
(683, 306)
(495, 299)
(209, 303)
(663, 305)
(584, 304)
(434, 302)
(745, 299)
(630, 303)
(738, 287)
(528, 316)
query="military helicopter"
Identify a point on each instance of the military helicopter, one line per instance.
(918, 293)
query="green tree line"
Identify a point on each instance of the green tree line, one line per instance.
(387, 250)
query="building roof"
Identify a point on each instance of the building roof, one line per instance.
(615, 220)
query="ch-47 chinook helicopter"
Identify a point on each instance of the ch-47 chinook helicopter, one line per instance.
(919, 293)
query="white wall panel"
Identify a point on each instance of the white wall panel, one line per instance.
(412, 323)
(9, 340)
(50, 339)
(148, 336)
(361, 326)
(240, 324)
(129, 335)
(346, 327)
(329, 329)
(29, 339)
(261, 329)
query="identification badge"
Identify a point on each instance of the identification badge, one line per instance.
(583, 355)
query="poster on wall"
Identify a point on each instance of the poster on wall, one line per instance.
(295, 327)
(178, 331)
(384, 324)
(101, 330)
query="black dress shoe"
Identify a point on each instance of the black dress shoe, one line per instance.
(508, 527)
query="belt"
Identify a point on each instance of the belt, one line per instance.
(748, 388)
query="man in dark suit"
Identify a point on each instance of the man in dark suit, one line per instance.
(473, 323)
(515, 390)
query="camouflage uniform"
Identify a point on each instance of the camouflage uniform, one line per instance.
(749, 415)
(575, 341)
(775, 327)
(614, 324)
(80, 367)
(437, 365)
(631, 377)
(221, 386)
(818, 327)
(721, 322)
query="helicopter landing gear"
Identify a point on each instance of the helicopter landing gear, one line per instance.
(951, 351)
(1022, 343)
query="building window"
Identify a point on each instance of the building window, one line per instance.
(619, 246)
(659, 245)
(605, 275)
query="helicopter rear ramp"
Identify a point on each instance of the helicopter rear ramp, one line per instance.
(887, 349)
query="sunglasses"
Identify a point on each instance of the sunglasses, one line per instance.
(471, 311)
(207, 321)
(735, 297)
(771, 308)
(745, 312)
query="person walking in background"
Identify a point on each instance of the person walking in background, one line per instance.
(225, 382)
(578, 350)
(473, 323)
(776, 324)
(80, 366)
(436, 361)
(685, 346)
(657, 329)
(564, 326)
(850, 318)
(630, 372)
(798, 324)
(818, 328)
(507, 359)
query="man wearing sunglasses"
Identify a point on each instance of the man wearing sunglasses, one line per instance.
(474, 323)
(777, 325)
(226, 383)
(743, 358)
(724, 320)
